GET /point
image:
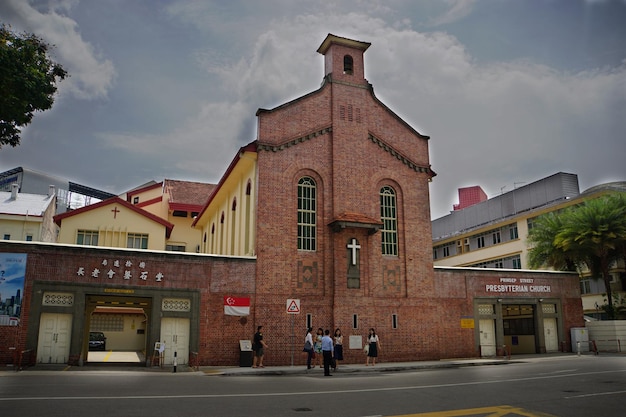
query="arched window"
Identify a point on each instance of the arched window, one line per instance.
(233, 226)
(347, 65)
(307, 214)
(389, 217)
(248, 207)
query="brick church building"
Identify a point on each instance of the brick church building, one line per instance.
(322, 221)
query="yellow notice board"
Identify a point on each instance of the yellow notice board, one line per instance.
(467, 322)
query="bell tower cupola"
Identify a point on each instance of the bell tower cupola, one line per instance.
(343, 58)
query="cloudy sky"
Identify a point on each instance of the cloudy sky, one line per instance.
(509, 91)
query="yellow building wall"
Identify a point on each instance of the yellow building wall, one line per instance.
(18, 227)
(131, 338)
(113, 232)
(182, 234)
(158, 208)
(501, 250)
(236, 234)
(185, 235)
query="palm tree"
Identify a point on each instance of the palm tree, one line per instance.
(592, 235)
(544, 252)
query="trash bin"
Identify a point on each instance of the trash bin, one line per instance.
(245, 353)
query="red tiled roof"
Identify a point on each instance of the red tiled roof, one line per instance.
(188, 193)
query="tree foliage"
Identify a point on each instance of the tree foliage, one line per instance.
(28, 80)
(591, 235)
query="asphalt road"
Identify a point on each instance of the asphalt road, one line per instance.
(567, 386)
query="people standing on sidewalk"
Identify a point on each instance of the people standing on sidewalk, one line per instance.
(338, 339)
(258, 346)
(327, 352)
(308, 347)
(374, 346)
(317, 346)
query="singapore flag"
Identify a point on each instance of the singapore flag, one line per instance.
(236, 306)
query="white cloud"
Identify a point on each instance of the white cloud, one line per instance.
(491, 125)
(201, 147)
(91, 75)
(458, 9)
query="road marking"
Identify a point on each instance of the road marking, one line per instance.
(288, 394)
(498, 411)
(596, 394)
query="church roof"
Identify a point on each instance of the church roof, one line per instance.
(333, 39)
(116, 200)
(188, 193)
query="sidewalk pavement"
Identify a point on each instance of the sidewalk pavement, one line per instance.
(382, 366)
(300, 369)
(350, 368)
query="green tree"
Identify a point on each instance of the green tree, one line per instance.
(28, 80)
(544, 252)
(591, 235)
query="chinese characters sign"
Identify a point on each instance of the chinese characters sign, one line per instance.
(116, 270)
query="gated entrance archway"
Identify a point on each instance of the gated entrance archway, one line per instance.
(116, 328)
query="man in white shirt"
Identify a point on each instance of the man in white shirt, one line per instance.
(327, 352)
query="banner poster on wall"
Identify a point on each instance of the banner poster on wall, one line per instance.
(12, 273)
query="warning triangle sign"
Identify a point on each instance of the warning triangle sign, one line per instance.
(293, 307)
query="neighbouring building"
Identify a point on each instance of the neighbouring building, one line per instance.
(155, 216)
(468, 196)
(27, 217)
(493, 233)
(322, 221)
(70, 195)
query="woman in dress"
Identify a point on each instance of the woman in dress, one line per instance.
(308, 347)
(374, 347)
(317, 346)
(338, 348)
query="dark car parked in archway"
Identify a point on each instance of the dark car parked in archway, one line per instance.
(97, 341)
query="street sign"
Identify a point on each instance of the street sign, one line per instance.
(293, 306)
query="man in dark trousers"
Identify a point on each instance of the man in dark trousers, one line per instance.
(327, 351)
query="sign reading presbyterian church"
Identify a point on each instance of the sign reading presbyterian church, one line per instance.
(515, 285)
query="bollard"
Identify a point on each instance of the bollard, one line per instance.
(578, 347)
(175, 361)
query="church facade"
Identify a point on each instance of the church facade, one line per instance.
(322, 221)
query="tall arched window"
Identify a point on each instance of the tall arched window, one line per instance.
(307, 214)
(389, 217)
(233, 226)
(246, 248)
(347, 65)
